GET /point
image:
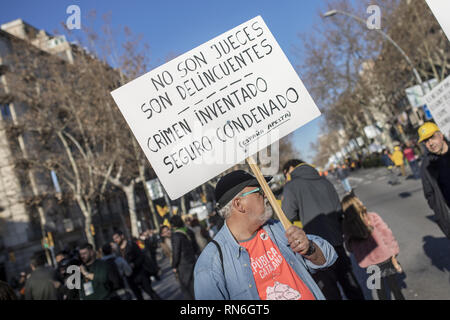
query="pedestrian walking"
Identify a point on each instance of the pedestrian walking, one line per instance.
(435, 172)
(342, 174)
(399, 160)
(150, 250)
(99, 280)
(184, 255)
(313, 201)
(42, 283)
(389, 164)
(151, 243)
(253, 257)
(140, 277)
(410, 155)
(123, 269)
(372, 243)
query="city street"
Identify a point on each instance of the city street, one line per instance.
(424, 250)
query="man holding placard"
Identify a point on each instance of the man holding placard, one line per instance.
(209, 109)
(253, 257)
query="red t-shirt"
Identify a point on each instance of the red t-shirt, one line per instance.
(274, 277)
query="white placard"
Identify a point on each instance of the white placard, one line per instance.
(209, 109)
(438, 102)
(415, 94)
(441, 10)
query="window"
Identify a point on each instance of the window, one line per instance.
(5, 111)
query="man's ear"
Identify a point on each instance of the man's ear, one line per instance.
(237, 204)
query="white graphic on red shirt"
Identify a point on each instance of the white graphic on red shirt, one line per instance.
(282, 292)
(266, 264)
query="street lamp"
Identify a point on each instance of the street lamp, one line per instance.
(386, 36)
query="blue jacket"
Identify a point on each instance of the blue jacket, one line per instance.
(238, 283)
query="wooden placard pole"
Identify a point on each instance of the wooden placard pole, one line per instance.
(268, 192)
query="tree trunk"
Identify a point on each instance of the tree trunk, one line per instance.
(151, 205)
(97, 211)
(129, 193)
(87, 220)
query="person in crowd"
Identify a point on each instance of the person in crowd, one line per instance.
(166, 242)
(151, 246)
(123, 269)
(372, 243)
(7, 292)
(42, 283)
(184, 255)
(399, 160)
(435, 172)
(312, 200)
(18, 285)
(121, 264)
(99, 281)
(411, 157)
(60, 255)
(152, 240)
(140, 277)
(389, 164)
(215, 224)
(253, 257)
(201, 234)
(342, 174)
(64, 292)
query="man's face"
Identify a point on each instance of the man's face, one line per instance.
(117, 239)
(165, 232)
(59, 257)
(256, 205)
(86, 255)
(436, 143)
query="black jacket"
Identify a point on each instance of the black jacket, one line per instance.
(184, 254)
(312, 199)
(135, 258)
(433, 193)
(41, 285)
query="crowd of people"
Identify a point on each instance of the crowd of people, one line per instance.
(243, 253)
(120, 270)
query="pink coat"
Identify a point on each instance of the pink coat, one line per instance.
(379, 247)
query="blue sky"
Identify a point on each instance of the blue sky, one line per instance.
(175, 27)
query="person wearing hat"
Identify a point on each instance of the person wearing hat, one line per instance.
(435, 171)
(399, 160)
(253, 257)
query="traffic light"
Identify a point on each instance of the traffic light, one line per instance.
(50, 239)
(45, 242)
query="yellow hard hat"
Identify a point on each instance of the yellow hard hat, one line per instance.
(427, 130)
